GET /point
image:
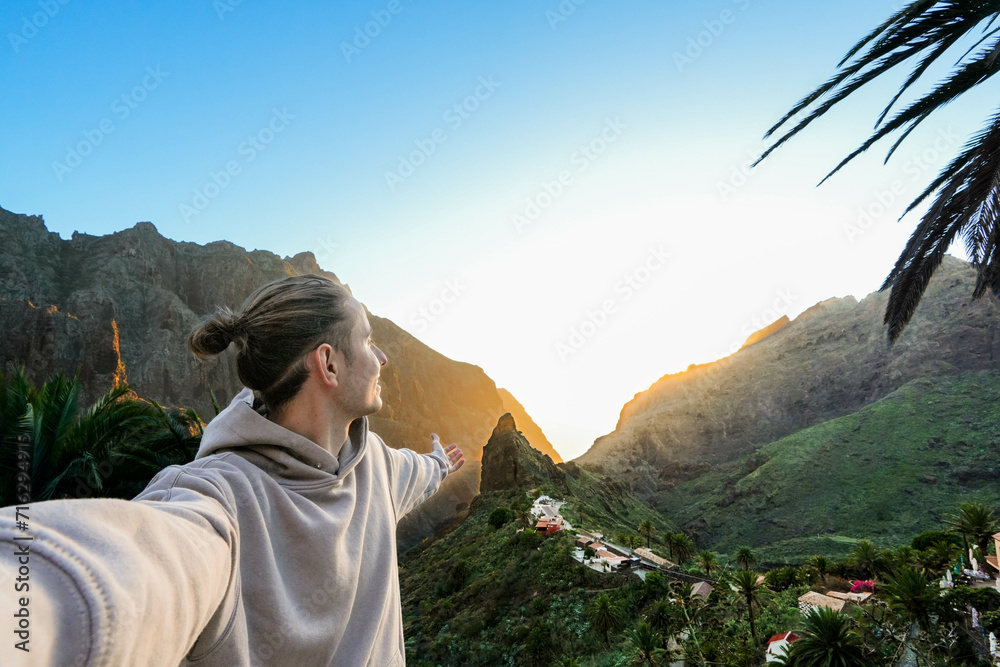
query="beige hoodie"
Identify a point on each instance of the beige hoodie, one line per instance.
(265, 550)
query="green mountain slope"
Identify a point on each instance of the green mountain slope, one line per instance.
(885, 472)
(470, 598)
(489, 592)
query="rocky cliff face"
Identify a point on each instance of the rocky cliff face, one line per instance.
(830, 361)
(531, 430)
(125, 304)
(509, 461)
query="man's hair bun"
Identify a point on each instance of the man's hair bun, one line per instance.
(214, 334)
(274, 329)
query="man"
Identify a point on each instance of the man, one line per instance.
(276, 545)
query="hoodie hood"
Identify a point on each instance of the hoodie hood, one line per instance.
(287, 456)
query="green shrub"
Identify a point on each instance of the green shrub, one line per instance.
(500, 516)
(928, 538)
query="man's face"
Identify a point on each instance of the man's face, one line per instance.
(360, 392)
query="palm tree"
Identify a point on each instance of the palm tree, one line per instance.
(570, 662)
(69, 445)
(16, 418)
(822, 565)
(605, 615)
(939, 557)
(975, 521)
(690, 607)
(911, 593)
(171, 437)
(660, 618)
(745, 557)
(644, 649)
(537, 643)
(111, 449)
(868, 559)
(744, 583)
(707, 560)
(826, 640)
(670, 542)
(904, 556)
(968, 188)
(648, 530)
(684, 548)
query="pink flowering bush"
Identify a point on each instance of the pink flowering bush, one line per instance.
(863, 586)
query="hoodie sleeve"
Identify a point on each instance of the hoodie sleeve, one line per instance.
(114, 582)
(413, 478)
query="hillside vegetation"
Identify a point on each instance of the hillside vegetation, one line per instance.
(883, 473)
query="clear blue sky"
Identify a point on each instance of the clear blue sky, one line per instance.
(309, 115)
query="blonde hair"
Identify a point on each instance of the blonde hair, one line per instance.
(274, 329)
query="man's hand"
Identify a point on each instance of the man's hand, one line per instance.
(455, 457)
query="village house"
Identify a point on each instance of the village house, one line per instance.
(701, 590)
(648, 555)
(778, 646)
(813, 600)
(549, 526)
(604, 554)
(613, 561)
(992, 560)
(857, 598)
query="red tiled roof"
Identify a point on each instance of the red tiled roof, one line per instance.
(787, 636)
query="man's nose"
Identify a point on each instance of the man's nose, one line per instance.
(381, 355)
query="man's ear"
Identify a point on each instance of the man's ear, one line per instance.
(325, 364)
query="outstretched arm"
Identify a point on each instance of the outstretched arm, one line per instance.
(414, 478)
(112, 582)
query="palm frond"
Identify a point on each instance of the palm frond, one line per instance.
(215, 403)
(981, 68)
(967, 191)
(114, 416)
(967, 203)
(57, 408)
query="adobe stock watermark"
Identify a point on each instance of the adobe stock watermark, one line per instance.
(325, 254)
(623, 290)
(562, 12)
(364, 34)
(436, 307)
(913, 168)
(223, 7)
(714, 28)
(37, 21)
(121, 108)
(581, 159)
(784, 301)
(454, 116)
(739, 176)
(247, 151)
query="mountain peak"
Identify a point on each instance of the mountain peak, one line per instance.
(504, 425)
(509, 460)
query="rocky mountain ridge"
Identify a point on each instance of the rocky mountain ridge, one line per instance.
(832, 360)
